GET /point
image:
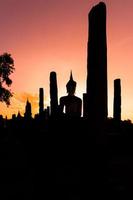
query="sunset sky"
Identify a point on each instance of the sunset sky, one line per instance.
(46, 35)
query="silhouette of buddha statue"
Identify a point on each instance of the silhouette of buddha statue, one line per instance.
(70, 103)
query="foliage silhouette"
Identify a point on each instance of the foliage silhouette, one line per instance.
(6, 69)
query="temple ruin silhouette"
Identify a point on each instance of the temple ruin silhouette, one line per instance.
(28, 110)
(71, 149)
(94, 108)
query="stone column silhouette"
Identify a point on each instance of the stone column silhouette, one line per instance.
(41, 100)
(117, 100)
(53, 94)
(97, 65)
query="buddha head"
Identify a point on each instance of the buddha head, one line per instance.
(71, 86)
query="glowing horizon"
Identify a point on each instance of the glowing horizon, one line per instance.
(51, 35)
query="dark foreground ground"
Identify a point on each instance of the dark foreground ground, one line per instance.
(65, 161)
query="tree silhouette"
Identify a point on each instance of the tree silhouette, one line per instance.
(6, 69)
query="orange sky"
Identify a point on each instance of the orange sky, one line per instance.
(46, 35)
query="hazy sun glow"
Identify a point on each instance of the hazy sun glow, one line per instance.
(46, 35)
